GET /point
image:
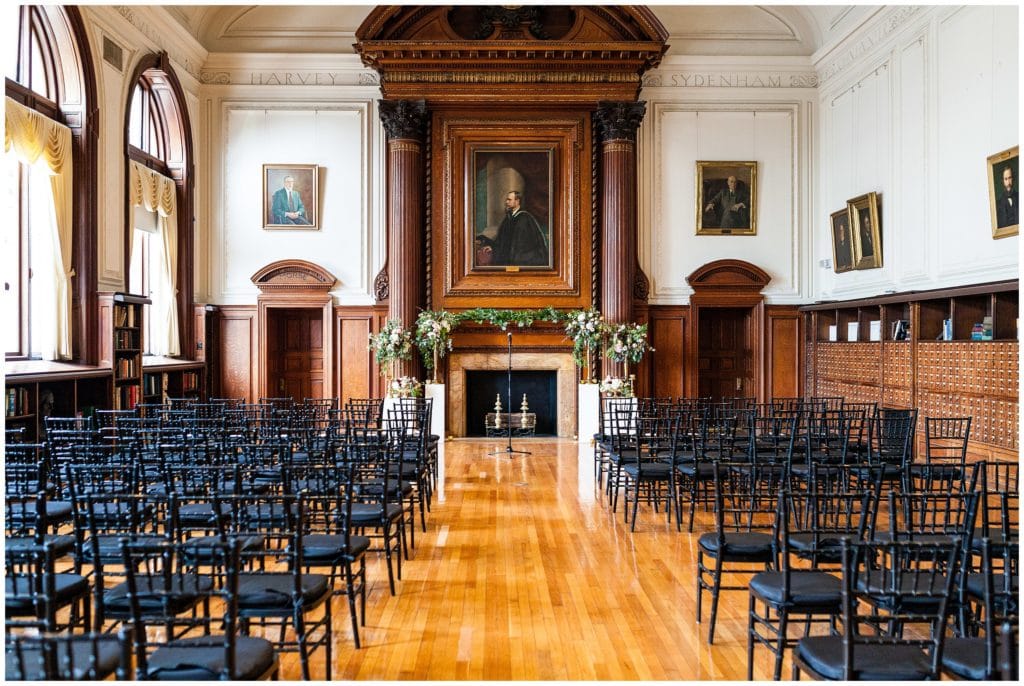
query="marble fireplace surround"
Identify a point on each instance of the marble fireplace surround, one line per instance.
(561, 363)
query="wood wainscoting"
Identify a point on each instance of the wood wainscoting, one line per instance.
(780, 341)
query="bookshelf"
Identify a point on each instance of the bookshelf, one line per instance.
(939, 367)
(122, 349)
(165, 377)
(43, 389)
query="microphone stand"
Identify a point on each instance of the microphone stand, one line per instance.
(508, 450)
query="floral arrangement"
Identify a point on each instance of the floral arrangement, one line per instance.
(627, 343)
(393, 343)
(405, 387)
(587, 330)
(434, 336)
(616, 387)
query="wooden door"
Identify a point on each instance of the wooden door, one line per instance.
(295, 353)
(724, 359)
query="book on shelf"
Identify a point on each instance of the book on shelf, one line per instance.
(978, 332)
(875, 331)
(852, 331)
(947, 330)
(901, 330)
(833, 332)
(986, 328)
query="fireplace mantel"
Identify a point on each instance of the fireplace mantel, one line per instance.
(560, 362)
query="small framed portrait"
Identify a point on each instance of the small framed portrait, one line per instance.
(291, 196)
(1003, 192)
(726, 198)
(866, 223)
(511, 204)
(842, 242)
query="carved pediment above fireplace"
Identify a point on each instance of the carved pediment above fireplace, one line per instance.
(293, 276)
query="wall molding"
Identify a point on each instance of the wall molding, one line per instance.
(849, 51)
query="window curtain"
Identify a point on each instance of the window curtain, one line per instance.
(38, 139)
(155, 192)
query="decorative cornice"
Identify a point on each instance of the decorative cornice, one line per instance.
(510, 77)
(302, 77)
(731, 79)
(158, 38)
(868, 41)
(619, 120)
(404, 118)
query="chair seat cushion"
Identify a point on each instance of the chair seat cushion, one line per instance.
(752, 545)
(197, 550)
(976, 584)
(202, 659)
(330, 547)
(816, 589)
(182, 595)
(873, 583)
(703, 470)
(108, 658)
(17, 590)
(965, 658)
(825, 545)
(996, 537)
(62, 544)
(57, 511)
(369, 514)
(824, 654)
(273, 590)
(110, 545)
(198, 514)
(648, 470)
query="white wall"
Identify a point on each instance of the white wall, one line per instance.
(912, 103)
(291, 109)
(725, 109)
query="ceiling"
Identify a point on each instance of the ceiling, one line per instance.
(736, 29)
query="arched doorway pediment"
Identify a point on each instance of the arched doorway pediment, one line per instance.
(294, 276)
(731, 275)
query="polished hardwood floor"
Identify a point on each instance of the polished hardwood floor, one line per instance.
(526, 574)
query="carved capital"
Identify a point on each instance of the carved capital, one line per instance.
(404, 118)
(641, 286)
(619, 120)
(381, 286)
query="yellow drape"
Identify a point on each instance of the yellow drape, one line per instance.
(157, 193)
(34, 137)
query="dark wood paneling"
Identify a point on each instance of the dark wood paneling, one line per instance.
(667, 329)
(356, 373)
(239, 354)
(784, 352)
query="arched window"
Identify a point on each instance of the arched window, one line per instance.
(158, 148)
(48, 243)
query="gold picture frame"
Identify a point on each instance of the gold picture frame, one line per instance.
(866, 223)
(842, 241)
(295, 207)
(1004, 192)
(726, 198)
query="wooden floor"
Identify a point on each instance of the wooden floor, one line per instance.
(525, 573)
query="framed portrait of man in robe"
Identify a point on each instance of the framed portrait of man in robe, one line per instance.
(511, 209)
(290, 196)
(726, 198)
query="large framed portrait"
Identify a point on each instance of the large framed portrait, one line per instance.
(726, 198)
(291, 196)
(842, 242)
(511, 209)
(513, 218)
(1003, 192)
(866, 222)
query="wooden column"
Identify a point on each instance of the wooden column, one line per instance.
(617, 123)
(405, 125)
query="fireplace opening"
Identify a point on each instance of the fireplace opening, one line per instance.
(540, 387)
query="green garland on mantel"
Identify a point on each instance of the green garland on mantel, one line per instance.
(520, 318)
